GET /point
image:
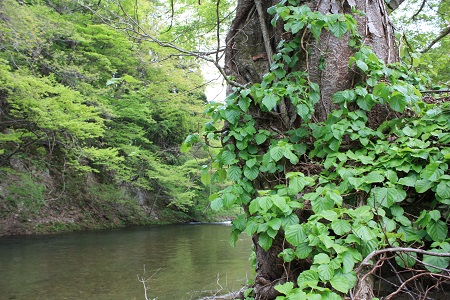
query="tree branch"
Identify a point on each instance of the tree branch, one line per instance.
(130, 25)
(366, 260)
(265, 32)
(443, 34)
(420, 9)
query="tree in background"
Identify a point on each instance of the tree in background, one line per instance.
(78, 98)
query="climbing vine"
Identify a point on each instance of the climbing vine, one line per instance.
(336, 191)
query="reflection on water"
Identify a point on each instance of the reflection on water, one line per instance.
(189, 260)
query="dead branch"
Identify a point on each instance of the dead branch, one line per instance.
(366, 260)
(414, 278)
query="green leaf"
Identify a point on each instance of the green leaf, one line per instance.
(270, 101)
(316, 28)
(240, 223)
(362, 65)
(295, 234)
(216, 204)
(234, 173)
(348, 261)
(289, 220)
(288, 255)
(265, 203)
(432, 172)
(365, 233)
(437, 230)
(265, 241)
(321, 258)
(260, 138)
(303, 111)
(276, 153)
(296, 185)
(386, 197)
(232, 116)
(322, 203)
(285, 288)
(440, 262)
(406, 259)
(325, 272)
(234, 236)
(274, 223)
(331, 296)
(308, 278)
(293, 159)
(251, 173)
(381, 90)
(329, 215)
(206, 177)
(423, 185)
(296, 26)
(338, 29)
(443, 189)
(227, 157)
(373, 177)
(343, 282)
(409, 131)
(407, 181)
(244, 103)
(397, 102)
(341, 227)
(280, 202)
(303, 250)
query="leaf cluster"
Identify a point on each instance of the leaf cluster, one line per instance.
(334, 191)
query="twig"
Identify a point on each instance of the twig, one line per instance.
(420, 9)
(443, 34)
(366, 260)
(130, 25)
(414, 278)
(143, 280)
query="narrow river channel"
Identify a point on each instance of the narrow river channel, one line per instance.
(183, 261)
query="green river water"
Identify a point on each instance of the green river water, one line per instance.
(186, 261)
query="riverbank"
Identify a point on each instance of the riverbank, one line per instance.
(68, 219)
(41, 201)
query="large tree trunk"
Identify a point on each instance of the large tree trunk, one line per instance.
(248, 59)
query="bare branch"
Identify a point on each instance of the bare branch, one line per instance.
(412, 279)
(130, 25)
(265, 33)
(443, 34)
(420, 9)
(366, 260)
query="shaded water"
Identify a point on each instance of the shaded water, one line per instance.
(190, 261)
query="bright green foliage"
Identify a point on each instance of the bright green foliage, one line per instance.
(419, 32)
(358, 180)
(79, 96)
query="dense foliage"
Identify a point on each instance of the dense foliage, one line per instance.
(343, 188)
(78, 97)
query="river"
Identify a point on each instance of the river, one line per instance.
(181, 262)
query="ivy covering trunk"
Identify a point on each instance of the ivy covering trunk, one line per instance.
(339, 164)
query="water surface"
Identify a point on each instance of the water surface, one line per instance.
(183, 261)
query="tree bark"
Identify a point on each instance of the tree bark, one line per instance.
(246, 59)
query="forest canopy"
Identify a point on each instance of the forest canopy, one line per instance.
(79, 98)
